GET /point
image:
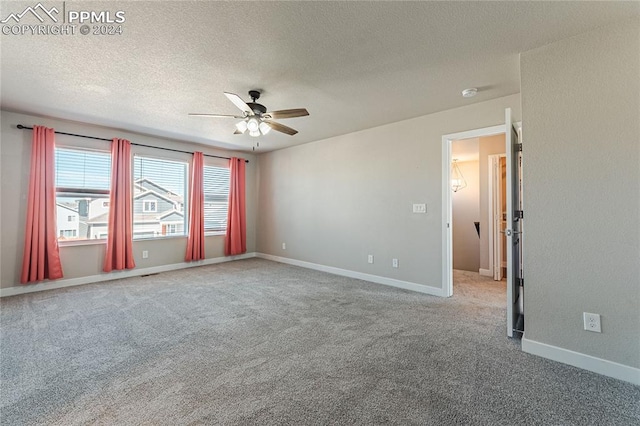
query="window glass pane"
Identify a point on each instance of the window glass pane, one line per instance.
(216, 198)
(82, 169)
(159, 194)
(82, 189)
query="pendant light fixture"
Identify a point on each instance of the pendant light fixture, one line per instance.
(458, 181)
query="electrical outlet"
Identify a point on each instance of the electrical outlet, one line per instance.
(284, 246)
(145, 254)
(592, 322)
(370, 258)
(394, 263)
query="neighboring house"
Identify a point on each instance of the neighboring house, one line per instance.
(68, 221)
(156, 212)
(97, 207)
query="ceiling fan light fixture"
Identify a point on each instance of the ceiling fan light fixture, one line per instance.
(241, 126)
(264, 128)
(253, 125)
(256, 119)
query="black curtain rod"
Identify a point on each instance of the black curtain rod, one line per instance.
(21, 127)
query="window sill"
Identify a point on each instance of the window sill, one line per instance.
(82, 242)
(164, 237)
(104, 240)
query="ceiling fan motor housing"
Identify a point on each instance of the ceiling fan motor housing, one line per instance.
(258, 109)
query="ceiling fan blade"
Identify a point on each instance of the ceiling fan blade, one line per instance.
(281, 128)
(237, 101)
(196, 114)
(237, 132)
(288, 113)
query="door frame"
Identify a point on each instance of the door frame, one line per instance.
(493, 179)
(447, 205)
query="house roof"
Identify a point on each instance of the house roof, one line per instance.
(151, 192)
(102, 218)
(64, 206)
(138, 217)
(169, 213)
(159, 189)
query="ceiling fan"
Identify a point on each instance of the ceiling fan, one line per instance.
(255, 117)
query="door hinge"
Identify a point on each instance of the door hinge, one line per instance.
(518, 214)
(520, 282)
(519, 147)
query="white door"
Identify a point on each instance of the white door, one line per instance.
(496, 217)
(513, 232)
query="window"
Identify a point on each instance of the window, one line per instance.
(159, 194)
(150, 206)
(216, 198)
(83, 179)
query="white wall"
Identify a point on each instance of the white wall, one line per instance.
(335, 201)
(465, 211)
(86, 260)
(581, 139)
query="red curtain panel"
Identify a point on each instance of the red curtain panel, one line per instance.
(119, 252)
(195, 242)
(41, 257)
(236, 240)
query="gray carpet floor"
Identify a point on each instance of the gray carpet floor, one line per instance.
(255, 342)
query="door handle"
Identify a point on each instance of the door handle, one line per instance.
(509, 232)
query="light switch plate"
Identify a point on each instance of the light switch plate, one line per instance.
(420, 208)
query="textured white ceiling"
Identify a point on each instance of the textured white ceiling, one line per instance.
(353, 65)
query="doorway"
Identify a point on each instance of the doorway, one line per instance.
(447, 203)
(514, 216)
(478, 205)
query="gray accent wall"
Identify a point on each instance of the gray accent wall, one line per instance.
(86, 260)
(581, 133)
(335, 201)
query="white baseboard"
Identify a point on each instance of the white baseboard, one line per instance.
(485, 272)
(420, 288)
(116, 275)
(580, 360)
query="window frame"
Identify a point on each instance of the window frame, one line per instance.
(146, 154)
(79, 192)
(219, 165)
(146, 203)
